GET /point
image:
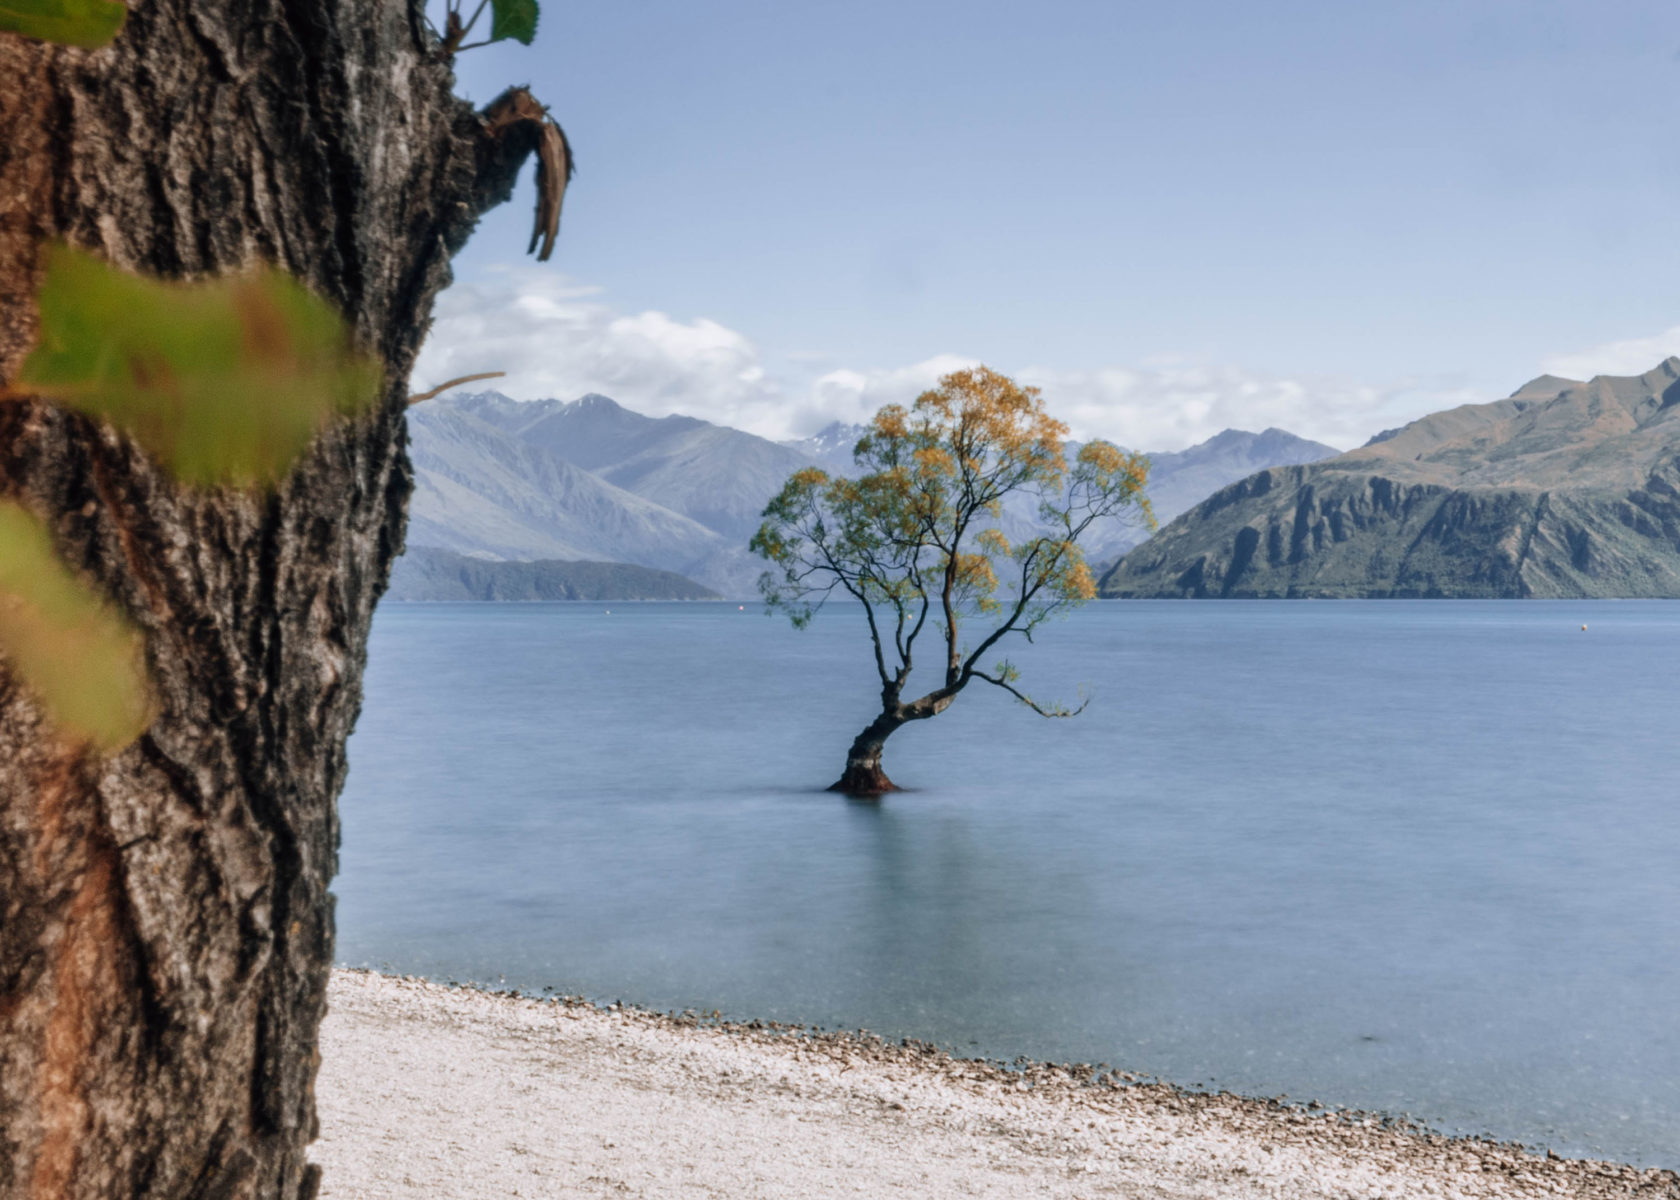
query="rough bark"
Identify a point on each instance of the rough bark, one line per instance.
(165, 925)
(864, 775)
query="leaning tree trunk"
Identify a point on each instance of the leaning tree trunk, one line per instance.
(165, 926)
(864, 775)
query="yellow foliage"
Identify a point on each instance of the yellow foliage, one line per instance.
(1076, 581)
(79, 657)
(1104, 456)
(975, 571)
(890, 422)
(935, 460)
(225, 381)
(990, 420)
(915, 535)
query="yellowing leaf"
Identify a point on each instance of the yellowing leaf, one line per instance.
(80, 658)
(89, 24)
(516, 19)
(226, 382)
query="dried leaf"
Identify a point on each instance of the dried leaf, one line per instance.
(226, 382)
(78, 656)
(554, 171)
(516, 19)
(90, 24)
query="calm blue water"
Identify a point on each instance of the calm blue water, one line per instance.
(1411, 856)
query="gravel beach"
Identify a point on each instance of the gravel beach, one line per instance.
(441, 1092)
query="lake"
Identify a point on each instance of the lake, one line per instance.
(1411, 856)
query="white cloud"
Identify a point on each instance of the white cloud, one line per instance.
(1166, 408)
(555, 338)
(1633, 356)
(853, 395)
(1170, 407)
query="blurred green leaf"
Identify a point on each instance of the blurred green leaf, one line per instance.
(78, 656)
(516, 19)
(90, 24)
(226, 382)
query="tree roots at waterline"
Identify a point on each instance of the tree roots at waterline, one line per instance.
(864, 778)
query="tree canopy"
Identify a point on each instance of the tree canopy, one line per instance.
(915, 536)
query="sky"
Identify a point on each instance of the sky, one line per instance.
(1174, 218)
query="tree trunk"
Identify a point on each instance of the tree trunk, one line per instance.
(863, 775)
(165, 926)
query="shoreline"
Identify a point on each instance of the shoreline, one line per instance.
(438, 1090)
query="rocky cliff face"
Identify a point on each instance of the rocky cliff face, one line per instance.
(1563, 489)
(1182, 478)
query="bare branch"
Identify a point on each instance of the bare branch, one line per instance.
(444, 387)
(1054, 711)
(1028, 591)
(868, 609)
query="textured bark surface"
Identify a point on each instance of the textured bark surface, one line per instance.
(165, 924)
(864, 775)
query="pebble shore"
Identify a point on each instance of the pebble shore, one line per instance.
(443, 1092)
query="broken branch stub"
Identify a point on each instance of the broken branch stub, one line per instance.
(516, 114)
(554, 171)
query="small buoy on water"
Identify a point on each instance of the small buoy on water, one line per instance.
(740, 608)
(1583, 629)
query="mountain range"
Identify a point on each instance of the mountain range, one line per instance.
(544, 480)
(1565, 488)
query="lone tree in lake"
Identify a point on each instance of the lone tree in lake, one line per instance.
(915, 535)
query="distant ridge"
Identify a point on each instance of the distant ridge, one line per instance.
(1562, 489)
(831, 446)
(428, 574)
(711, 474)
(484, 491)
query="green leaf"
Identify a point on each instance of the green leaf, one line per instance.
(90, 24)
(516, 19)
(80, 658)
(226, 382)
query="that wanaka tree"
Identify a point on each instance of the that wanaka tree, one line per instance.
(914, 537)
